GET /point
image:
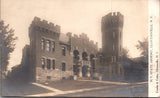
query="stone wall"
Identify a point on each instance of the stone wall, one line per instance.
(112, 72)
(43, 75)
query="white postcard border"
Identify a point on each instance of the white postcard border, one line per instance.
(153, 73)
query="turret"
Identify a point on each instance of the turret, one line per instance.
(111, 27)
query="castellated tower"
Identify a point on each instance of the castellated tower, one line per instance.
(112, 27)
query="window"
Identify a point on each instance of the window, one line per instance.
(46, 30)
(48, 64)
(101, 59)
(113, 35)
(121, 71)
(63, 51)
(42, 44)
(113, 47)
(114, 58)
(48, 45)
(112, 71)
(53, 62)
(48, 77)
(53, 46)
(43, 29)
(63, 67)
(43, 62)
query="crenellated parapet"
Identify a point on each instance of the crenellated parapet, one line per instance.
(83, 37)
(45, 25)
(75, 36)
(112, 20)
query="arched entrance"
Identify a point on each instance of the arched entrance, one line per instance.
(84, 70)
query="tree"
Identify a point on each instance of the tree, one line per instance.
(7, 44)
(143, 47)
(125, 53)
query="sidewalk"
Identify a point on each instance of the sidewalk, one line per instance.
(116, 83)
(87, 87)
(66, 85)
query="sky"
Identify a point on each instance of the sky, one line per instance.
(76, 16)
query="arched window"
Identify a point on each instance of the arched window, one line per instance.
(76, 54)
(53, 46)
(85, 56)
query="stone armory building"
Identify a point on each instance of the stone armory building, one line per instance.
(53, 55)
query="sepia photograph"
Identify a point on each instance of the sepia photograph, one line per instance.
(74, 48)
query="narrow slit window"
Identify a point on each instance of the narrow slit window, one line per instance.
(53, 46)
(113, 35)
(114, 58)
(63, 51)
(53, 62)
(113, 47)
(63, 67)
(43, 63)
